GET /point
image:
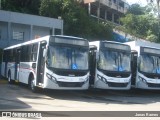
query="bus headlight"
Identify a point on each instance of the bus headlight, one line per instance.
(104, 80)
(142, 79)
(101, 78)
(86, 80)
(53, 79)
(49, 76)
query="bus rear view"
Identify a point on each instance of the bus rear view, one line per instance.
(112, 65)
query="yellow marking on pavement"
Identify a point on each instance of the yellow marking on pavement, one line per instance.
(3, 81)
(17, 81)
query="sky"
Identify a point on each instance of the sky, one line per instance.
(141, 2)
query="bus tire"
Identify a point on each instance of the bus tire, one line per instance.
(10, 81)
(32, 86)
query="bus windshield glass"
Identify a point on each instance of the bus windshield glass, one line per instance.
(63, 57)
(150, 64)
(114, 61)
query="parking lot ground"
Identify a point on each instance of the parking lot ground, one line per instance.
(17, 97)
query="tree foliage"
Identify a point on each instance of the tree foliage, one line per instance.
(76, 20)
(75, 17)
(136, 9)
(24, 6)
(158, 11)
(50, 8)
(141, 24)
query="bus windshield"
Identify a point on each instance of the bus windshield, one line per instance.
(150, 64)
(114, 61)
(68, 58)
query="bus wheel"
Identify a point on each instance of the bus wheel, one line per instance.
(32, 86)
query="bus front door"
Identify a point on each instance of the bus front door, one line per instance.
(41, 64)
(17, 62)
(92, 66)
(134, 67)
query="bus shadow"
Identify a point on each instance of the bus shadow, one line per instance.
(9, 98)
(13, 97)
(133, 96)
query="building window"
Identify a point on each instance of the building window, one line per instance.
(57, 31)
(18, 35)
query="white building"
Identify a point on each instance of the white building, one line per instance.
(17, 27)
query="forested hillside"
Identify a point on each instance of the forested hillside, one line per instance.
(139, 21)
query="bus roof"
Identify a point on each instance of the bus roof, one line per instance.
(41, 39)
(97, 43)
(135, 45)
(28, 42)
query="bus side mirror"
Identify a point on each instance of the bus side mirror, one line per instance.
(97, 56)
(44, 52)
(139, 63)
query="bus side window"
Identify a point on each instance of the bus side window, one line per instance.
(14, 53)
(11, 57)
(34, 52)
(5, 55)
(23, 54)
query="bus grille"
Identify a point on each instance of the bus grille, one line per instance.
(70, 84)
(112, 84)
(153, 85)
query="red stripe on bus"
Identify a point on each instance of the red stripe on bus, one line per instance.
(27, 69)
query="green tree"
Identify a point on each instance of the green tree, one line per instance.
(76, 20)
(129, 23)
(136, 9)
(141, 25)
(24, 6)
(158, 10)
(50, 8)
(157, 3)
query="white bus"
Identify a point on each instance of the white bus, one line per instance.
(53, 62)
(145, 64)
(110, 65)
